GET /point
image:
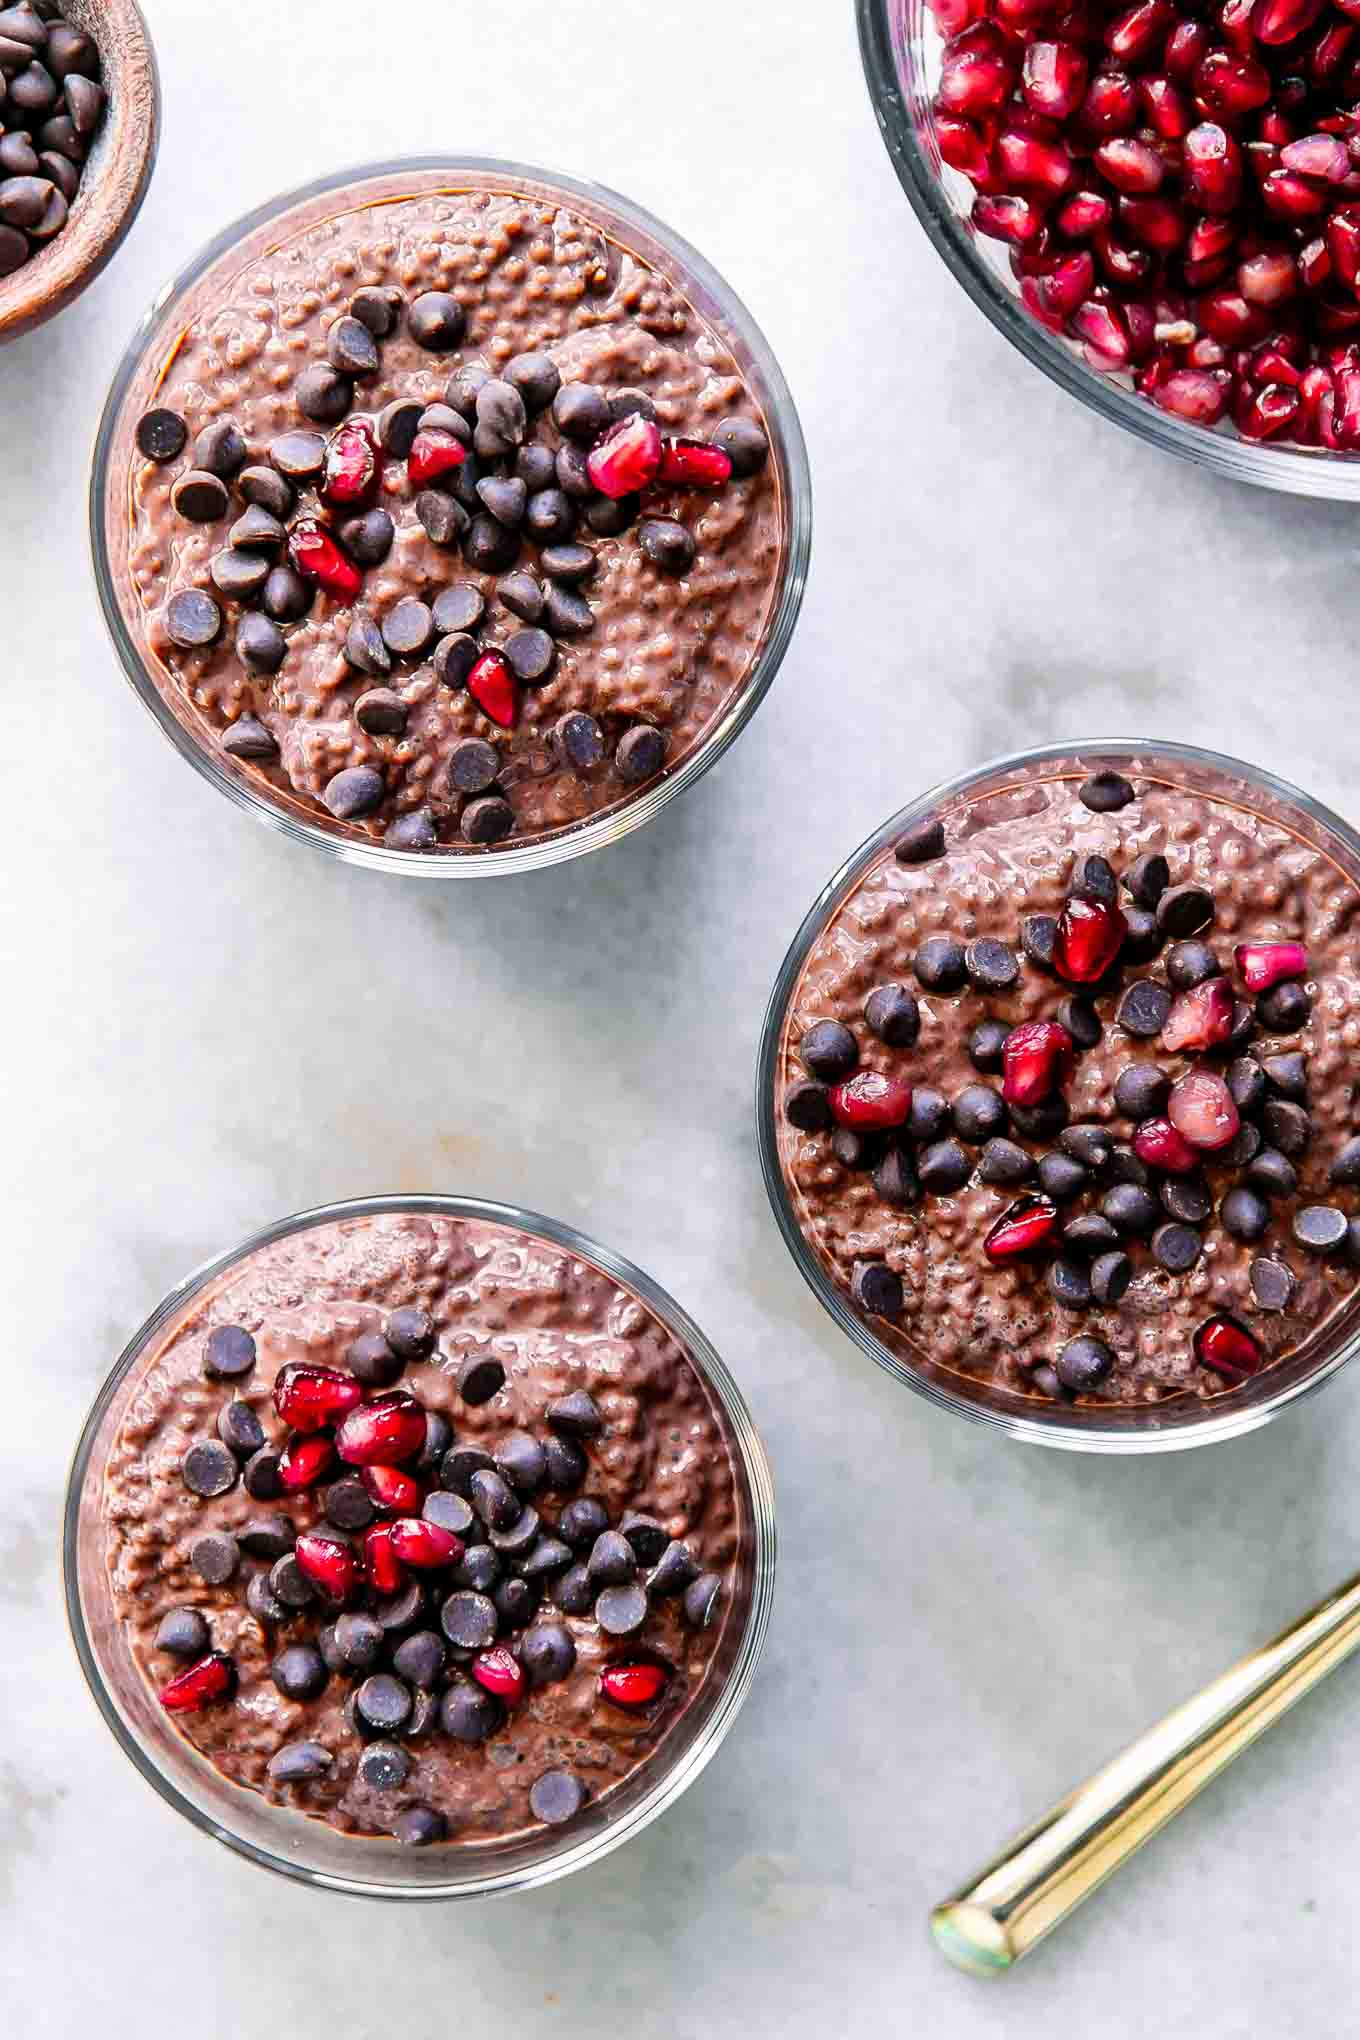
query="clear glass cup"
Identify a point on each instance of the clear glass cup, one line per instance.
(290, 1842)
(1145, 1427)
(713, 299)
(900, 46)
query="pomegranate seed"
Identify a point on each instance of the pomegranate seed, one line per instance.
(1157, 1143)
(1110, 106)
(1186, 47)
(1165, 108)
(1130, 267)
(1266, 279)
(1088, 939)
(626, 458)
(212, 1678)
(303, 1461)
(1210, 243)
(433, 453)
(330, 1565)
(351, 469)
(1228, 1348)
(1106, 338)
(1291, 197)
(1234, 18)
(632, 1685)
(500, 1672)
(1085, 212)
(1328, 53)
(1201, 1108)
(1007, 218)
(382, 1432)
(1230, 85)
(307, 1395)
(1212, 169)
(1279, 21)
(1053, 79)
(952, 16)
(962, 146)
(1054, 298)
(1021, 1230)
(1037, 1061)
(976, 73)
(1315, 265)
(1261, 413)
(390, 1488)
(1026, 161)
(426, 1546)
(1343, 243)
(1139, 30)
(318, 557)
(1346, 408)
(1193, 394)
(1156, 223)
(693, 463)
(1200, 1018)
(1264, 964)
(1227, 317)
(1321, 156)
(869, 1099)
(1130, 165)
(492, 686)
(382, 1568)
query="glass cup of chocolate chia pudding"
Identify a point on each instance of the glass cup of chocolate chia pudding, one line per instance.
(451, 515)
(419, 1548)
(1056, 1096)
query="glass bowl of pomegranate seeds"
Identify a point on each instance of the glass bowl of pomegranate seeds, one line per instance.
(451, 515)
(419, 1548)
(1158, 204)
(1055, 1096)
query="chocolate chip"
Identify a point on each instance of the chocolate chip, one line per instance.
(419, 1658)
(33, 90)
(1061, 1177)
(1111, 1275)
(298, 455)
(322, 394)
(377, 308)
(829, 1050)
(631, 404)
(621, 1611)
(368, 539)
(943, 1167)
(238, 575)
(85, 103)
(547, 1654)
(489, 820)
(261, 1476)
(458, 608)
(576, 1415)
(1191, 963)
(556, 1797)
(567, 614)
(571, 563)
(351, 348)
(258, 530)
(1287, 1126)
(436, 321)
(1069, 1283)
(573, 1593)
(402, 1610)
(364, 647)
(1184, 910)
(200, 498)
(1284, 1009)
(209, 1468)
(579, 738)
(580, 411)
(1141, 1091)
(991, 966)
(566, 1465)
(1083, 1364)
(1272, 1173)
(1243, 1214)
(1243, 1024)
(1272, 1283)
(1142, 936)
(354, 793)
(986, 1043)
(1037, 935)
(450, 1512)
(855, 1150)
(1246, 1084)
(287, 597)
(530, 655)
(505, 497)
(640, 753)
(220, 449)
(978, 1113)
(408, 627)
(1287, 1074)
(928, 1118)
(1186, 1198)
(522, 1461)
(612, 1559)
(420, 1826)
(1147, 878)
(535, 376)
(381, 712)
(570, 471)
(299, 1763)
(1092, 1146)
(384, 1767)
(59, 169)
(398, 424)
(895, 1179)
(501, 418)
(1090, 1234)
(1040, 1122)
(215, 1557)
(240, 1429)
(875, 1287)
(609, 517)
(1144, 1008)
(347, 1504)
(383, 1703)
(1004, 1163)
(940, 964)
(370, 1359)
(1176, 1248)
(300, 1672)
(1094, 879)
(161, 434)
(454, 658)
(1320, 1227)
(521, 594)
(582, 1521)
(668, 544)
(489, 546)
(469, 1620)
(922, 843)
(1130, 1208)
(1080, 1018)
(745, 445)
(1346, 1166)
(545, 1556)
(1242, 1148)
(702, 1600)
(1103, 793)
(228, 1353)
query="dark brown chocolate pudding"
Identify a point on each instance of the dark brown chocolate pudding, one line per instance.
(470, 1629)
(1067, 1094)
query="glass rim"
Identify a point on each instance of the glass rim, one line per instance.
(673, 1777)
(1320, 473)
(610, 825)
(1062, 1429)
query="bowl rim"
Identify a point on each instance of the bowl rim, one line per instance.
(104, 216)
(1056, 1427)
(901, 107)
(672, 1778)
(610, 825)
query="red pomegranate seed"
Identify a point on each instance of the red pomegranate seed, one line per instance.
(1230, 85)
(1193, 394)
(1025, 161)
(492, 686)
(1085, 212)
(1291, 197)
(1130, 165)
(1234, 19)
(382, 1568)
(1211, 174)
(626, 458)
(1329, 52)
(390, 1488)
(382, 1432)
(1227, 317)
(1323, 156)
(303, 1461)
(1139, 30)
(1261, 413)
(330, 1565)
(426, 1546)
(1157, 1143)
(307, 1395)
(1228, 1348)
(318, 557)
(954, 15)
(1200, 1018)
(632, 1685)
(1186, 47)
(1007, 218)
(1165, 107)
(1211, 242)
(212, 1678)
(352, 468)
(1053, 298)
(1089, 937)
(976, 72)
(869, 1099)
(433, 453)
(1267, 278)
(1053, 79)
(501, 1673)
(1037, 1061)
(1279, 21)
(1107, 341)
(1130, 267)
(1264, 964)
(1201, 1108)
(1273, 361)
(1315, 264)
(1021, 1230)
(962, 146)
(693, 463)
(1110, 106)
(1346, 408)
(1156, 223)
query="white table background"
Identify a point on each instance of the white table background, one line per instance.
(209, 1028)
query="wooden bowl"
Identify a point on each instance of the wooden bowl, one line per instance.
(115, 176)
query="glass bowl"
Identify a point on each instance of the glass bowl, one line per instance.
(376, 1867)
(1177, 1423)
(900, 46)
(153, 344)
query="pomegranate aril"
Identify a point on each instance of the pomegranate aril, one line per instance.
(952, 16)
(330, 1565)
(382, 1568)
(212, 1678)
(1098, 324)
(425, 1546)
(1211, 172)
(962, 146)
(632, 1685)
(1193, 394)
(1261, 413)
(1089, 936)
(1314, 264)
(1139, 30)
(1231, 86)
(1186, 47)
(1022, 1229)
(1129, 267)
(1130, 165)
(501, 1673)
(1023, 160)
(1234, 20)
(1329, 52)
(351, 470)
(1007, 217)
(390, 1488)
(694, 464)
(1165, 107)
(1226, 316)
(869, 1100)
(492, 686)
(976, 72)
(1201, 1108)
(382, 1432)
(1053, 78)
(1037, 1060)
(1267, 279)
(1323, 156)
(1157, 1143)
(1343, 243)
(1110, 104)
(1156, 223)
(303, 1461)
(627, 458)
(318, 557)
(1291, 197)
(308, 1395)
(1053, 298)
(1084, 213)
(433, 453)
(1264, 964)
(1200, 1018)
(1279, 21)
(1227, 1348)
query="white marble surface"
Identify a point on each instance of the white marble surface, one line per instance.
(208, 1028)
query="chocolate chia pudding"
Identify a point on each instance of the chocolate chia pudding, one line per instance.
(1065, 1092)
(439, 513)
(425, 1527)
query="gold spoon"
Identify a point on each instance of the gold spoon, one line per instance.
(1044, 1874)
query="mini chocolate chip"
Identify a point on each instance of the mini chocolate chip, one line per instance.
(371, 1360)
(943, 1167)
(289, 1584)
(385, 1767)
(567, 1465)
(419, 1658)
(1005, 1163)
(537, 467)
(876, 1288)
(521, 594)
(479, 1569)
(287, 597)
(1103, 793)
(502, 418)
(1142, 936)
(436, 321)
(522, 1461)
(621, 1611)
(408, 627)
(300, 1672)
(1288, 1074)
(940, 964)
(580, 411)
(351, 348)
(576, 1415)
(1083, 1364)
(1176, 1247)
(1037, 935)
(991, 966)
(535, 376)
(612, 1559)
(570, 471)
(547, 1653)
(368, 539)
(383, 1703)
(609, 517)
(556, 1797)
(161, 435)
(354, 793)
(454, 658)
(239, 575)
(1243, 1214)
(675, 1570)
(298, 455)
(347, 1505)
(209, 1468)
(571, 563)
(1080, 1018)
(1061, 1177)
(1272, 1173)
(459, 607)
(640, 753)
(183, 1633)
(829, 1050)
(381, 712)
(1242, 1148)
(668, 544)
(268, 1537)
(488, 820)
(745, 445)
(1094, 879)
(1184, 910)
(1141, 1091)
(240, 1429)
(479, 1377)
(258, 529)
(928, 1118)
(978, 1113)
(895, 1179)
(1040, 1122)
(1272, 1283)
(461, 389)
(1130, 1208)
(986, 1043)
(200, 498)
(261, 1476)
(441, 517)
(377, 308)
(1111, 1274)
(450, 1512)
(473, 765)
(1246, 1084)
(215, 1557)
(1092, 1146)
(1090, 1234)
(1069, 1283)
(364, 647)
(505, 497)
(1284, 1009)
(490, 547)
(1186, 1198)
(565, 613)
(1320, 1227)
(220, 449)
(1287, 1126)
(443, 418)
(530, 655)
(322, 394)
(1147, 878)
(807, 1106)
(579, 738)
(1191, 963)
(398, 424)
(922, 843)
(1144, 1008)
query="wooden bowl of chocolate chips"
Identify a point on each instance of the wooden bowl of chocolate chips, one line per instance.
(79, 124)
